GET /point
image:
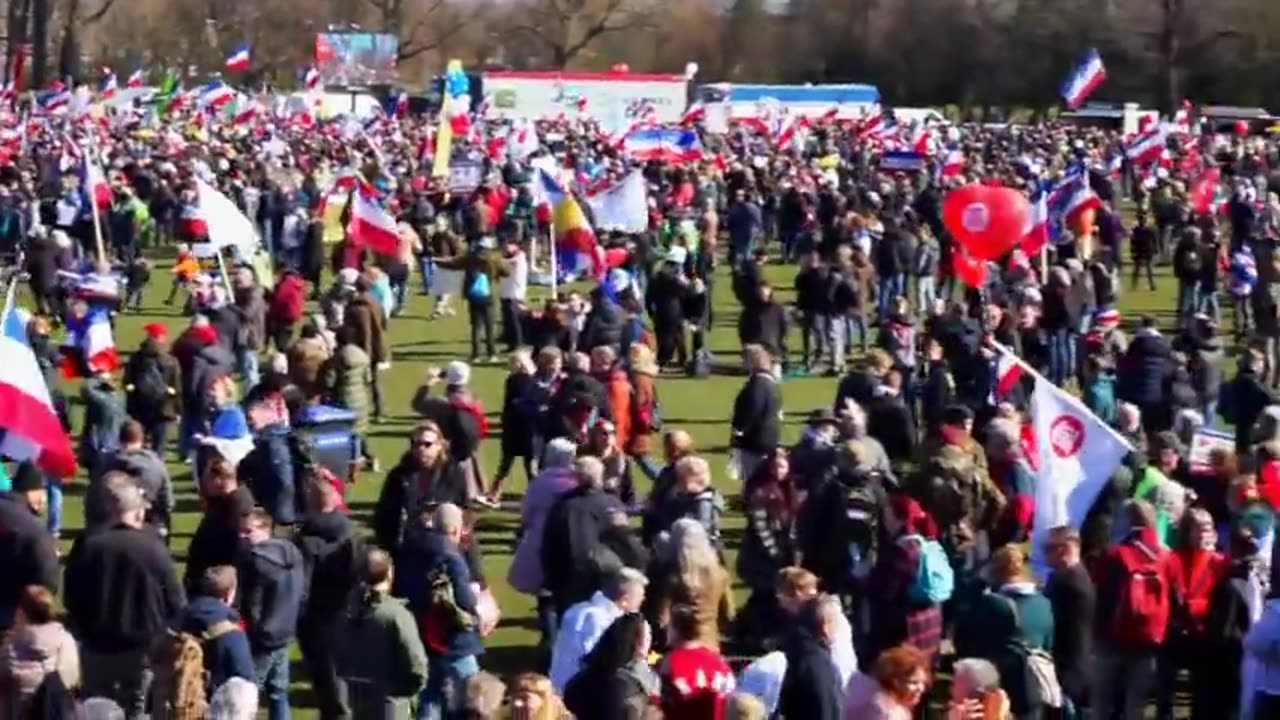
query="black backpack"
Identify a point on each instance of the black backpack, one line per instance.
(859, 525)
(150, 389)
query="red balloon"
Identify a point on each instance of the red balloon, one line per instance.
(972, 272)
(987, 221)
(1242, 127)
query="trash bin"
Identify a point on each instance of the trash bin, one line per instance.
(329, 435)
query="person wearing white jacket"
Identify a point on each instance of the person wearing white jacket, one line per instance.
(512, 292)
(1260, 671)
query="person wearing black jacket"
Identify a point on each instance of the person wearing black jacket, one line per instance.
(426, 476)
(937, 391)
(813, 305)
(764, 322)
(756, 427)
(331, 558)
(1071, 593)
(216, 540)
(1246, 397)
(665, 301)
(845, 297)
(122, 591)
(28, 555)
(272, 590)
(1143, 371)
(575, 560)
(811, 686)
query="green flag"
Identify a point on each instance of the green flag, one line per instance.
(168, 90)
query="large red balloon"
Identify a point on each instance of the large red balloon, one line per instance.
(969, 270)
(986, 221)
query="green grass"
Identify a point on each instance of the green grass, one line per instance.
(700, 406)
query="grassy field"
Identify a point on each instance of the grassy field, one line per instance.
(700, 406)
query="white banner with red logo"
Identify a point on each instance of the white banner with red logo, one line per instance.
(1077, 455)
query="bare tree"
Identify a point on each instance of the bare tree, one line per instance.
(565, 28)
(422, 26)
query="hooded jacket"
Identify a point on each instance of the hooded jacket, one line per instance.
(148, 471)
(122, 589)
(227, 655)
(381, 658)
(27, 551)
(332, 556)
(272, 592)
(424, 551)
(30, 655)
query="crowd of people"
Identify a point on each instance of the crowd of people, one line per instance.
(884, 551)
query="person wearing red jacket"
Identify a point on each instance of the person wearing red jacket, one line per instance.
(285, 309)
(1198, 568)
(1137, 592)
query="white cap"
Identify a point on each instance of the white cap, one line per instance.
(348, 276)
(677, 255)
(457, 373)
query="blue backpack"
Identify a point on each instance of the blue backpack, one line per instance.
(479, 290)
(935, 580)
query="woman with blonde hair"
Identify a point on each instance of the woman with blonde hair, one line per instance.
(689, 572)
(1011, 618)
(533, 698)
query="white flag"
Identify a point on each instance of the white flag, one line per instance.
(1077, 455)
(623, 207)
(228, 226)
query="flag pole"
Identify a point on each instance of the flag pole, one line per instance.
(93, 207)
(1026, 367)
(551, 259)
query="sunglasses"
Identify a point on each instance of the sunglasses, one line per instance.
(424, 443)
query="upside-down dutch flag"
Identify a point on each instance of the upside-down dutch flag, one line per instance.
(94, 182)
(401, 107)
(238, 60)
(371, 225)
(90, 347)
(577, 251)
(1148, 147)
(56, 97)
(216, 94)
(1073, 196)
(1008, 373)
(1084, 80)
(108, 87)
(952, 163)
(311, 78)
(30, 428)
(136, 79)
(694, 114)
(1037, 234)
(672, 145)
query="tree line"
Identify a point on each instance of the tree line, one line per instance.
(966, 52)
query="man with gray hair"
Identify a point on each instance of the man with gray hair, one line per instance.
(122, 589)
(574, 558)
(584, 622)
(555, 478)
(237, 699)
(431, 554)
(973, 680)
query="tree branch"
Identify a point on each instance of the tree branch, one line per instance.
(98, 14)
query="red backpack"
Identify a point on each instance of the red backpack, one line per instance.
(1141, 617)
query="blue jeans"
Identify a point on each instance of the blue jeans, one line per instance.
(1207, 302)
(890, 288)
(926, 293)
(427, 267)
(445, 695)
(53, 486)
(158, 437)
(1062, 355)
(273, 682)
(842, 330)
(1188, 299)
(188, 426)
(247, 360)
